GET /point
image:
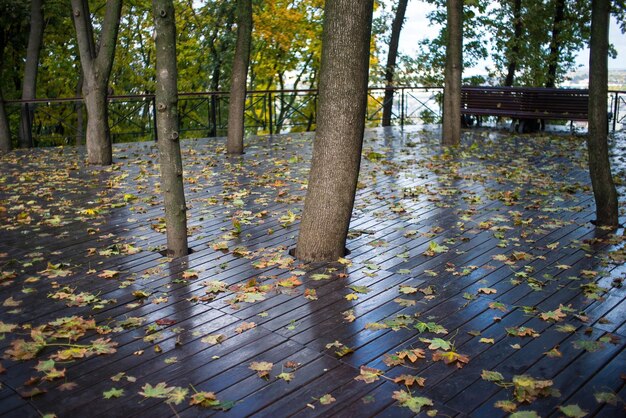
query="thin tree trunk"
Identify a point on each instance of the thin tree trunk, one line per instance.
(5, 132)
(215, 85)
(453, 73)
(517, 38)
(29, 85)
(241, 60)
(80, 116)
(392, 55)
(166, 98)
(597, 139)
(216, 74)
(555, 43)
(287, 104)
(339, 136)
(96, 63)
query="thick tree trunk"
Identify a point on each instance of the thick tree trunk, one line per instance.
(453, 74)
(599, 166)
(392, 56)
(339, 135)
(236, 107)
(166, 98)
(99, 150)
(96, 63)
(555, 43)
(5, 132)
(517, 38)
(29, 85)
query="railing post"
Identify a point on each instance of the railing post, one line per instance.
(402, 113)
(154, 119)
(213, 116)
(615, 110)
(269, 111)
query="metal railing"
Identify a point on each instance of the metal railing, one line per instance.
(617, 108)
(132, 117)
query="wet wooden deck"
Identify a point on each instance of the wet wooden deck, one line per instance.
(484, 257)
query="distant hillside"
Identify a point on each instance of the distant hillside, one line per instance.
(617, 78)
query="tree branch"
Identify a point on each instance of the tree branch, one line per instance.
(108, 38)
(82, 19)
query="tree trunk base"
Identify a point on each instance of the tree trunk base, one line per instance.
(613, 226)
(168, 253)
(292, 252)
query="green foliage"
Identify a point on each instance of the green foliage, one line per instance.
(532, 50)
(430, 60)
(286, 53)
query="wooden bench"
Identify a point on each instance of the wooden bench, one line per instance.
(525, 104)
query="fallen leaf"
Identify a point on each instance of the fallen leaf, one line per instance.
(327, 399)
(161, 390)
(177, 395)
(262, 368)
(287, 377)
(213, 339)
(573, 411)
(113, 393)
(109, 274)
(67, 386)
(451, 357)
(11, 303)
(491, 376)
(607, 397)
(410, 380)
(414, 403)
(369, 374)
(189, 274)
(245, 326)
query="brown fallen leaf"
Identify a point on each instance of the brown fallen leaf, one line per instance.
(244, 327)
(67, 386)
(451, 357)
(262, 368)
(369, 374)
(410, 380)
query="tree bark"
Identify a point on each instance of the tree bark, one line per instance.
(166, 99)
(453, 73)
(241, 60)
(392, 55)
(339, 136)
(555, 43)
(29, 85)
(78, 106)
(597, 143)
(517, 37)
(97, 63)
(5, 132)
(97, 134)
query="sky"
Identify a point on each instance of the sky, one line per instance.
(417, 27)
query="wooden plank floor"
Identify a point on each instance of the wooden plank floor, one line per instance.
(484, 256)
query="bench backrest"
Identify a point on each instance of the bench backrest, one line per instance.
(571, 104)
